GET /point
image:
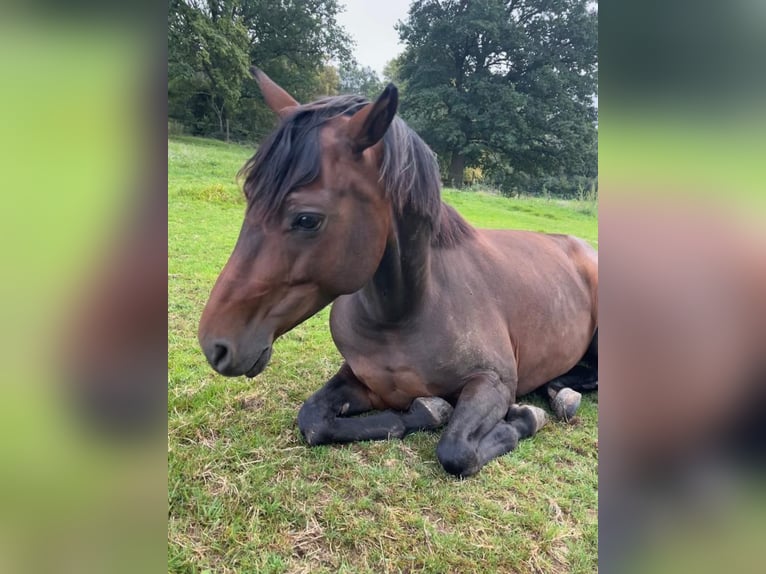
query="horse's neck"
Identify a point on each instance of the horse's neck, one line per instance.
(400, 283)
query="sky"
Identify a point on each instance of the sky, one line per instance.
(371, 25)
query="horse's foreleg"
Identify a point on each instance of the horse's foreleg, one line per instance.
(483, 426)
(327, 415)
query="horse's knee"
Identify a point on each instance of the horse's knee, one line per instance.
(457, 457)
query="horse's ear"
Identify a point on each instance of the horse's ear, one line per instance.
(368, 126)
(276, 98)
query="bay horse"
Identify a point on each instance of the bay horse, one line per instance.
(438, 322)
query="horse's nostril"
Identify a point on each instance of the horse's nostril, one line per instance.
(220, 356)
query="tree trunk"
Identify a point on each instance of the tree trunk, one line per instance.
(456, 169)
(219, 113)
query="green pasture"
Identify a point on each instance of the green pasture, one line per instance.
(245, 494)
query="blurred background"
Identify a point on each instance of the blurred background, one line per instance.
(683, 277)
(83, 289)
(83, 296)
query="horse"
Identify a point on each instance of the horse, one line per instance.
(439, 323)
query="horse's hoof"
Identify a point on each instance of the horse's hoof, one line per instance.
(566, 403)
(433, 411)
(541, 417)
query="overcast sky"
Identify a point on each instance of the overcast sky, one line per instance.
(371, 24)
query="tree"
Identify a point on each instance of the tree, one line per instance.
(207, 45)
(293, 41)
(355, 79)
(211, 44)
(329, 81)
(391, 71)
(507, 86)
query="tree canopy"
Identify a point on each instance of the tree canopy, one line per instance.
(356, 79)
(505, 86)
(212, 42)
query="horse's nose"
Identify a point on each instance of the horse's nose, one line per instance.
(219, 355)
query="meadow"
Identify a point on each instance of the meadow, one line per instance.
(245, 494)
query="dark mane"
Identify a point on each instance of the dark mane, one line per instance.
(289, 158)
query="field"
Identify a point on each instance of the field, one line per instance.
(246, 495)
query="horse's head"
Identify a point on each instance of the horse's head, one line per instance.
(315, 228)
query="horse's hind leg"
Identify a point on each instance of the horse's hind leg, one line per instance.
(564, 399)
(327, 415)
(483, 427)
(564, 391)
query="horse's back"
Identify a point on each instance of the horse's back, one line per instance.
(544, 259)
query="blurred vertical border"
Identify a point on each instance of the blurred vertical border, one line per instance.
(682, 167)
(83, 208)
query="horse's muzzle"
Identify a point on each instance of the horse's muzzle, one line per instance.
(260, 363)
(226, 359)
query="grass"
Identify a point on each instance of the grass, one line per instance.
(246, 495)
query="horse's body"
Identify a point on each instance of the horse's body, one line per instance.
(344, 205)
(484, 306)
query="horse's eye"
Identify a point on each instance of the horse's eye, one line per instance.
(307, 222)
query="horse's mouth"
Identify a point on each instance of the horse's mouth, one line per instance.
(260, 363)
